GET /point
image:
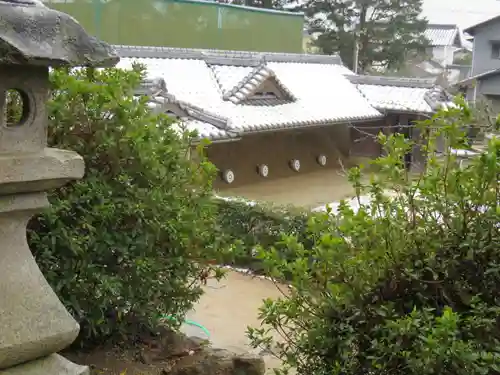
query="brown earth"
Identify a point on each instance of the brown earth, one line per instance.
(226, 309)
(115, 361)
(229, 306)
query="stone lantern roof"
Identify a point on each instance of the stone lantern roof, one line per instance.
(31, 33)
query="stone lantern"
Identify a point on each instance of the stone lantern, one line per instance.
(33, 322)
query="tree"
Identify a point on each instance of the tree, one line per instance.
(128, 242)
(463, 57)
(409, 284)
(384, 30)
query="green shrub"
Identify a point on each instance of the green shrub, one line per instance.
(129, 241)
(406, 285)
(247, 225)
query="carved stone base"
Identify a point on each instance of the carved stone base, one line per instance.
(51, 365)
(34, 323)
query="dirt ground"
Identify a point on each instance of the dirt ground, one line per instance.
(306, 190)
(226, 309)
(229, 306)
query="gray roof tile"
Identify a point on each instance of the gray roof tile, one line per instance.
(205, 130)
(442, 35)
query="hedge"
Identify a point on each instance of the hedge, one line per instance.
(247, 225)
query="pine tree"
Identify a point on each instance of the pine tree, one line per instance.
(385, 31)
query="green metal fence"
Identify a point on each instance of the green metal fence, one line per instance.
(187, 23)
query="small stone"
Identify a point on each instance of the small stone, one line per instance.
(145, 358)
(198, 341)
(249, 364)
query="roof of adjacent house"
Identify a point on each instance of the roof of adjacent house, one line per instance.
(443, 35)
(472, 29)
(416, 95)
(213, 87)
(216, 90)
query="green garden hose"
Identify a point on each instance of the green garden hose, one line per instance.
(189, 322)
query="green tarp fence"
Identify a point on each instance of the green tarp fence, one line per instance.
(187, 24)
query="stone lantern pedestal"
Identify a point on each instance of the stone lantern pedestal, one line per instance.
(33, 322)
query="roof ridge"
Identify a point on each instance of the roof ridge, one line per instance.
(156, 86)
(217, 79)
(199, 113)
(223, 57)
(391, 81)
(431, 25)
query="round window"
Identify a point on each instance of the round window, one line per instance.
(263, 170)
(322, 160)
(228, 176)
(295, 165)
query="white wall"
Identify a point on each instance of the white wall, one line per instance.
(443, 54)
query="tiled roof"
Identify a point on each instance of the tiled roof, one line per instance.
(198, 80)
(198, 122)
(229, 76)
(265, 101)
(392, 81)
(442, 35)
(205, 130)
(395, 98)
(401, 94)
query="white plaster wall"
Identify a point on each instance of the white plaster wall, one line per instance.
(443, 54)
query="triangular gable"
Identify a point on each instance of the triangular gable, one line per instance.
(261, 82)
